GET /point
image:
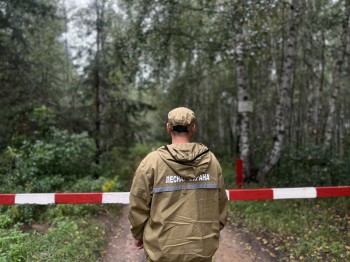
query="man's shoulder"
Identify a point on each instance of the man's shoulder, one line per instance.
(214, 160)
(153, 154)
(150, 158)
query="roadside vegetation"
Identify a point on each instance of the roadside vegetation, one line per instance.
(298, 230)
(68, 233)
(60, 161)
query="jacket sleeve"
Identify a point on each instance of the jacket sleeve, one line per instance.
(140, 199)
(223, 201)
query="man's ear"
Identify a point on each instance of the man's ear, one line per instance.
(193, 129)
(168, 128)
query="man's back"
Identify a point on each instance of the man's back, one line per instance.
(178, 203)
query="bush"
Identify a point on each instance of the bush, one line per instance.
(120, 163)
(229, 173)
(65, 240)
(52, 164)
(48, 165)
(297, 230)
(310, 166)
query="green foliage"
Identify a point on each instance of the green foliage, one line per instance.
(49, 165)
(229, 173)
(58, 212)
(120, 164)
(65, 240)
(12, 245)
(63, 162)
(61, 233)
(112, 185)
(310, 166)
(31, 63)
(5, 221)
(23, 213)
(297, 230)
(88, 184)
(45, 119)
(58, 162)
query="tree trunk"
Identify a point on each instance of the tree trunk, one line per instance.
(283, 104)
(243, 97)
(336, 79)
(98, 87)
(341, 131)
(316, 68)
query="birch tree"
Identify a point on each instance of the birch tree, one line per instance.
(243, 96)
(284, 95)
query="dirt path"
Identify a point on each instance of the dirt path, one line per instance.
(120, 245)
(232, 248)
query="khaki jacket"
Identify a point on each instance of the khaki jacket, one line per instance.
(178, 203)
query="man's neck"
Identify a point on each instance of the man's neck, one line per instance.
(183, 139)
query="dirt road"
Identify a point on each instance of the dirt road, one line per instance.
(232, 247)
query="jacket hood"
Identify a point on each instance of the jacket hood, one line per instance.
(187, 160)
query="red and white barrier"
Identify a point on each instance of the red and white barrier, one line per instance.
(123, 197)
(65, 198)
(288, 193)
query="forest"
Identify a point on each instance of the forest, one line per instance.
(85, 88)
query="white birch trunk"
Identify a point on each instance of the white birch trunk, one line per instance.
(243, 96)
(284, 98)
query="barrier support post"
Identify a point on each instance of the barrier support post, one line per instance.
(239, 173)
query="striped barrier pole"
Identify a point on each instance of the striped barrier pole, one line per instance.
(123, 197)
(288, 193)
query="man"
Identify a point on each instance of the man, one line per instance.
(178, 202)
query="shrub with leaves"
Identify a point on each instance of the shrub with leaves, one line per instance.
(71, 239)
(48, 165)
(120, 163)
(310, 166)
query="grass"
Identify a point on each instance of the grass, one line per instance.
(298, 230)
(67, 237)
